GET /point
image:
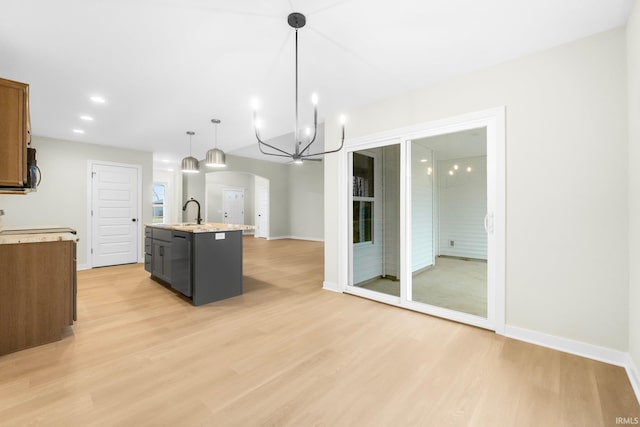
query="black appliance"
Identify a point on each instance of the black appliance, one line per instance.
(33, 172)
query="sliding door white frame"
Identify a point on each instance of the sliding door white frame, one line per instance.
(494, 122)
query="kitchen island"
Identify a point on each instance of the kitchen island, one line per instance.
(203, 262)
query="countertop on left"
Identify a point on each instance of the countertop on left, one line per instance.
(36, 234)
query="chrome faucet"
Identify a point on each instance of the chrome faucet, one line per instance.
(184, 208)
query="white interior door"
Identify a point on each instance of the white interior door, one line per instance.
(114, 215)
(233, 206)
(262, 207)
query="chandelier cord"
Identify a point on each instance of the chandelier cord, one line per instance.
(297, 134)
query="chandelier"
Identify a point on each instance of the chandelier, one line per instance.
(302, 148)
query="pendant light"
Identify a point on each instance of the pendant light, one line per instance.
(216, 157)
(190, 164)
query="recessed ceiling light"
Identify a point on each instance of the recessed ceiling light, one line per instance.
(423, 160)
(450, 172)
(86, 118)
(456, 167)
(169, 170)
(78, 131)
(469, 169)
(98, 99)
(165, 160)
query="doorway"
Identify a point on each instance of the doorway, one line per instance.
(261, 204)
(233, 205)
(114, 214)
(429, 236)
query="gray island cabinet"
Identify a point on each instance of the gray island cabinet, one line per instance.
(202, 262)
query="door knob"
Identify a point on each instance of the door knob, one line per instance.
(133, 219)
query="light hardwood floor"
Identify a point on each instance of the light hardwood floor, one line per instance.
(288, 353)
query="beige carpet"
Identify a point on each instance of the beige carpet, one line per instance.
(453, 283)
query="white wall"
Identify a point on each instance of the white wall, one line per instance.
(633, 98)
(306, 202)
(278, 175)
(463, 205)
(566, 181)
(62, 197)
(295, 192)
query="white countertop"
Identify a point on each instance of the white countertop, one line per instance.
(205, 227)
(36, 234)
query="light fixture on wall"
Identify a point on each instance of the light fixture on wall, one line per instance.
(216, 157)
(190, 164)
(302, 152)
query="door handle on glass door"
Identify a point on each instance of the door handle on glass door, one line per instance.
(488, 223)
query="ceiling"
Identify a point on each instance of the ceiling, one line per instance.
(168, 66)
(457, 145)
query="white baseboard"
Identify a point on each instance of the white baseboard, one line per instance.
(82, 267)
(312, 239)
(330, 286)
(590, 351)
(634, 376)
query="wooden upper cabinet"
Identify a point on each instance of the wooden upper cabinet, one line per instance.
(15, 132)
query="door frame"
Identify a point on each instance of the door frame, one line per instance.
(240, 189)
(90, 164)
(494, 121)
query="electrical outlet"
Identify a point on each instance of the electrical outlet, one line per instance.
(451, 243)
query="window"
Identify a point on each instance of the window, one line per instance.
(363, 198)
(158, 203)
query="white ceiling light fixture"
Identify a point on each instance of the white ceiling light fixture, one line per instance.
(98, 99)
(302, 152)
(78, 131)
(190, 164)
(216, 157)
(86, 118)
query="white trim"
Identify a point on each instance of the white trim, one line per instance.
(579, 348)
(140, 221)
(330, 286)
(80, 267)
(634, 376)
(311, 239)
(494, 120)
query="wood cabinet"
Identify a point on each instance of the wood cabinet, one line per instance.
(37, 293)
(15, 133)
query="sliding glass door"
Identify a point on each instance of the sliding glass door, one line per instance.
(448, 210)
(375, 204)
(425, 222)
